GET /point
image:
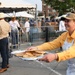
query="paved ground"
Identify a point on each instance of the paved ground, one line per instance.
(21, 67)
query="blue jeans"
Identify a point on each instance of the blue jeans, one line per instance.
(15, 37)
(4, 52)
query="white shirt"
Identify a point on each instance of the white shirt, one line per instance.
(62, 26)
(27, 26)
(14, 24)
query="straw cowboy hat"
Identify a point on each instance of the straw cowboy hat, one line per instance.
(70, 16)
(2, 15)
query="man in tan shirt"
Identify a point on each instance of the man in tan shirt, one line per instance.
(4, 34)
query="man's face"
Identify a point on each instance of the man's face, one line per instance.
(70, 25)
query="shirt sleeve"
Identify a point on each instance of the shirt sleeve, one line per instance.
(57, 43)
(18, 25)
(67, 54)
(9, 28)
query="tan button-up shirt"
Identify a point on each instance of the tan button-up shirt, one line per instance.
(4, 29)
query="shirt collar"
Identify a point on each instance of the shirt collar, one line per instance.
(72, 36)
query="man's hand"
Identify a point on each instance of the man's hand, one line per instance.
(49, 57)
(32, 48)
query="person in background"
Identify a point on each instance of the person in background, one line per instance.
(31, 23)
(39, 25)
(62, 24)
(33, 32)
(67, 41)
(43, 24)
(43, 28)
(5, 29)
(47, 20)
(49, 31)
(14, 31)
(27, 29)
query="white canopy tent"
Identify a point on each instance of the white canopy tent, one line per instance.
(19, 14)
(15, 5)
(24, 14)
(59, 17)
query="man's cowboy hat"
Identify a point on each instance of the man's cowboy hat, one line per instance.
(2, 15)
(70, 16)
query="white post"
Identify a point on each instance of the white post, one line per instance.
(14, 13)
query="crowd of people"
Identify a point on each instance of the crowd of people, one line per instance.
(26, 32)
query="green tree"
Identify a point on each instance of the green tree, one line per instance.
(40, 14)
(62, 6)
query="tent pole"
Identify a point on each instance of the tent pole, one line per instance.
(14, 13)
(36, 13)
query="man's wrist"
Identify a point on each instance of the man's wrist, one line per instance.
(56, 57)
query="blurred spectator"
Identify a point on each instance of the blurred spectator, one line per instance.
(15, 27)
(50, 27)
(27, 29)
(39, 25)
(4, 34)
(47, 20)
(31, 23)
(33, 33)
(42, 25)
(62, 25)
(49, 31)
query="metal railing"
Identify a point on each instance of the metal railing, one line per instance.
(36, 36)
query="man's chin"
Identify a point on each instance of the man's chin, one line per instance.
(67, 28)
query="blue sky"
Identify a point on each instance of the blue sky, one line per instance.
(38, 2)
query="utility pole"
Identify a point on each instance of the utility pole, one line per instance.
(36, 13)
